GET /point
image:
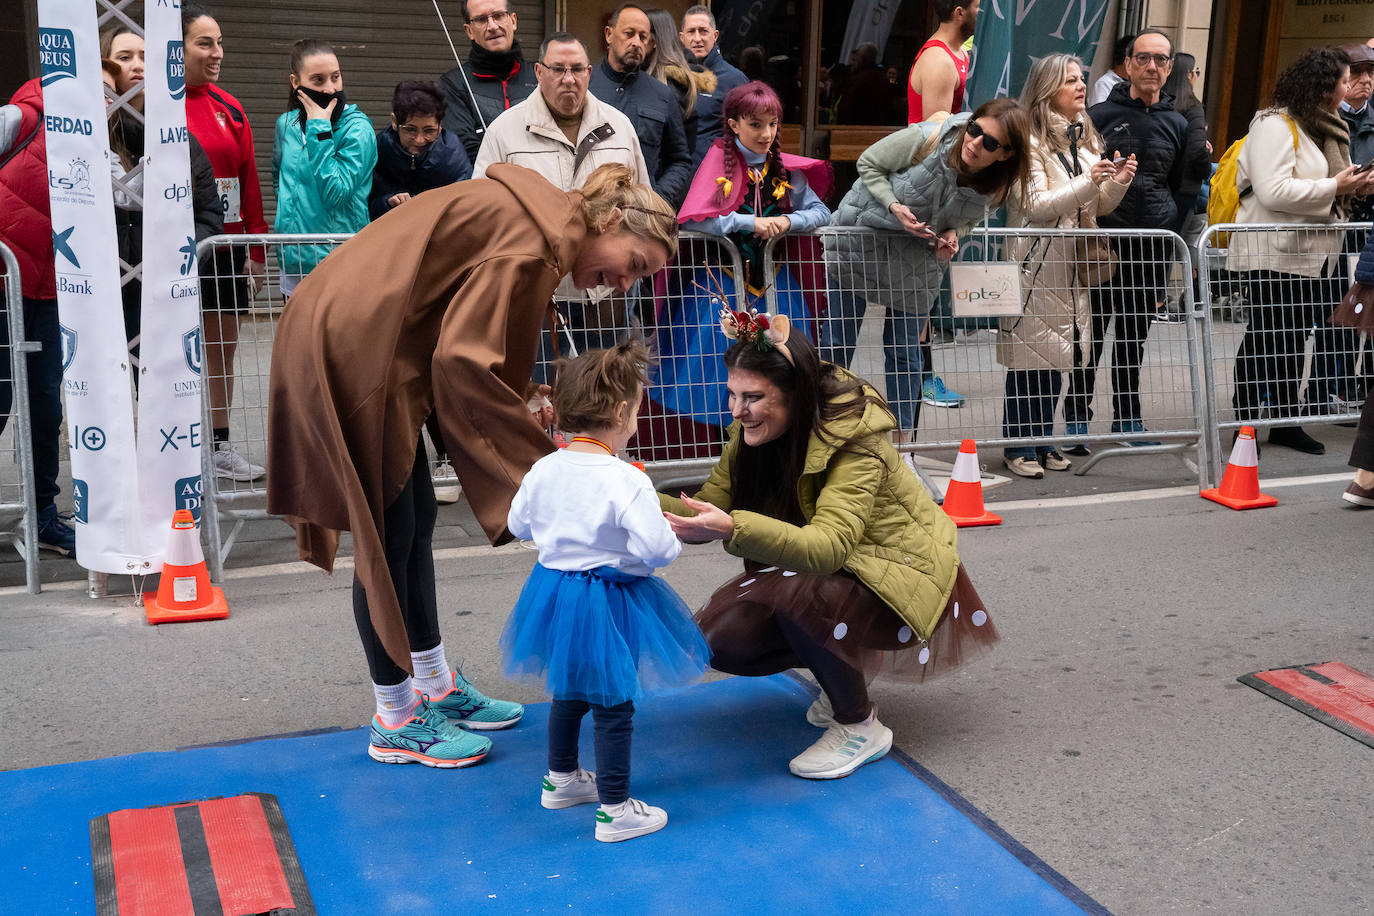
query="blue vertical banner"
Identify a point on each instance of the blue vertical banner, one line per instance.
(95, 358)
(169, 391)
(1013, 34)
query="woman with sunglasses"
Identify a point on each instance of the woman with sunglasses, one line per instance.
(932, 182)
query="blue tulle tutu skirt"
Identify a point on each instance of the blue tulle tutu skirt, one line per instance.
(602, 636)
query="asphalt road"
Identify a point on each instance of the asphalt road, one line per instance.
(1108, 733)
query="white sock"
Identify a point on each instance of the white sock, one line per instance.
(395, 702)
(616, 810)
(561, 779)
(433, 676)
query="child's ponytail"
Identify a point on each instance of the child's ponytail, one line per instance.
(592, 385)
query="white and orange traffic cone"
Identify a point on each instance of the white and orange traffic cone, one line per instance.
(964, 495)
(1240, 484)
(184, 591)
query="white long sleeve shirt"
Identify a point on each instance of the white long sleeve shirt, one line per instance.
(584, 510)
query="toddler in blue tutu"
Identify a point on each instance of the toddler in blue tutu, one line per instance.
(593, 621)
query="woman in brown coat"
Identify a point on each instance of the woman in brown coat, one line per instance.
(437, 306)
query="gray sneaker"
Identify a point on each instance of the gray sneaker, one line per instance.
(842, 750)
(231, 465)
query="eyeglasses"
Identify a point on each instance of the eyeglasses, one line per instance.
(577, 71)
(1144, 60)
(410, 130)
(497, 18)
(990, 143)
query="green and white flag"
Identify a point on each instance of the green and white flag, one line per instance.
(1012, 34)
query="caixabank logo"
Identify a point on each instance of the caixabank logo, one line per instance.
(176, 70)
(56, 55)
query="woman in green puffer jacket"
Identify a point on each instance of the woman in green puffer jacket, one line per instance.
(851, 569)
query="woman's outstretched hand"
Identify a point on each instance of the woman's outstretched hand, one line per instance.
(709, 524)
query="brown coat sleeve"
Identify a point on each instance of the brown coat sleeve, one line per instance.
(481, 367)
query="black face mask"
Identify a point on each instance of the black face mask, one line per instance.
(321, 99)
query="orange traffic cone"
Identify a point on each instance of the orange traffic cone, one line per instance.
(964, 495)
(184, 591)
(1240, 484)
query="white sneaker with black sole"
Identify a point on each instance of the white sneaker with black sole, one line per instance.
(229, 464)
(843, 749)
(627, 820)
(580, 790)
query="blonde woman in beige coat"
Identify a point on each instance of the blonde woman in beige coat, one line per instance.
(1069, 185)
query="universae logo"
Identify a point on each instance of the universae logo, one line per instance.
(68, 346)
(190, 348)
(56, 54)
(176, 70)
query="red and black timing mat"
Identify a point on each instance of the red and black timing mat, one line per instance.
(215, 857)
(1331, 692)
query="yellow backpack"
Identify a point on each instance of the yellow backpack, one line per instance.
(1223, 200)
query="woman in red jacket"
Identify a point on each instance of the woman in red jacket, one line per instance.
(217, 120)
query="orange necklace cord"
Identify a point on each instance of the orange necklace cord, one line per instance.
(589, 440)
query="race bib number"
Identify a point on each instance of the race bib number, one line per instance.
(228, 189)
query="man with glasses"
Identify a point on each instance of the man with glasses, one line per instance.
(565, 133)
(495, 78)
(699, 36)
(650, 105)
(1137, 119)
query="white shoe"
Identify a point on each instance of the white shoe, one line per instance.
(580, 790)
(820, 713)
(1024, 467)
(445, 494)
(842, 750)
(635, 820)
(1053, 461)
(230, 464)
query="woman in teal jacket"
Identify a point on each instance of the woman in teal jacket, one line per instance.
(322, 160)
(850, 567)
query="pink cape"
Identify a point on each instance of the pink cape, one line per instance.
(703, 200)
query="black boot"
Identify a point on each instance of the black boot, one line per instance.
(1295, 438)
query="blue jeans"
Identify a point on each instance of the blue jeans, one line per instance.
(614, 728)
(45, 392)
(1028, 412)
(901, 351)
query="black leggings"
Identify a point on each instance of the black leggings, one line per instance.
(1362, 452)
(408, 536)
(770, 645)
(614, 727)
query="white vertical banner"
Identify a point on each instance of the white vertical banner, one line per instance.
(169, 405)
(95, 359)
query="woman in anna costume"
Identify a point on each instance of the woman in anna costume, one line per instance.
(748, 191)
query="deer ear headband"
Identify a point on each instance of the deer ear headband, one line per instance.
(766, 332)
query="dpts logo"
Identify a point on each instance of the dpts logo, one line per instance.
(176, 70)
(56, 54)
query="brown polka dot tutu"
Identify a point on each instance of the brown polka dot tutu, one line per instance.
(843, 615)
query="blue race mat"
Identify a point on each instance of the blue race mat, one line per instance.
(743, 834)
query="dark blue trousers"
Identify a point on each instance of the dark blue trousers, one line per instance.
(45, 392)
(614, 727)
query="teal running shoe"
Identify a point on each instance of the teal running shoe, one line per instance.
(934, 393)
(468, 707)
(426, 738)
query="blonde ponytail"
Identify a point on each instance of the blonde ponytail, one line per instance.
(645, 214)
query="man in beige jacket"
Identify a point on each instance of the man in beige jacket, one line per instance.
(564, 133)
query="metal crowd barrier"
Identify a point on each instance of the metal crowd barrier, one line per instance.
(871, 308)
(677, 307)
(1270, 351)
(1162, 382)
(18, 516)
